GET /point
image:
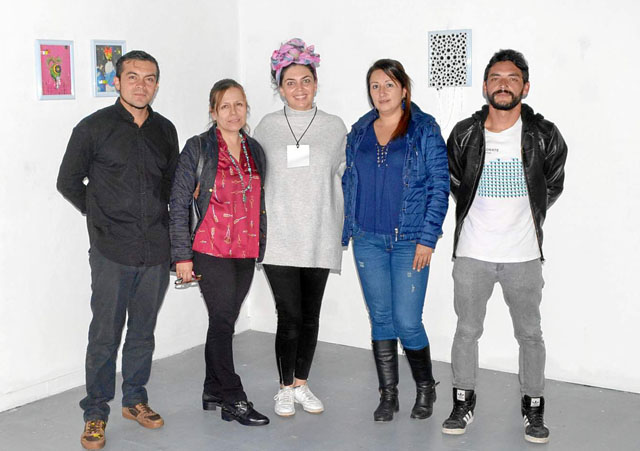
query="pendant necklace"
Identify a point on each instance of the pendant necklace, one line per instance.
(305, 130)
(239, 170)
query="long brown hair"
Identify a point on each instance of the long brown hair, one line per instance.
(395, 70)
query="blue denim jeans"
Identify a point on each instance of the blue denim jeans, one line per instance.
(119, 291)
(393, 291)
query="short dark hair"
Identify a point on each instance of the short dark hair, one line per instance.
(136, 55)
(514, 56)
(395, 70)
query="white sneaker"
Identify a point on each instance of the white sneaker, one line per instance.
(284, 402)
(309, 401)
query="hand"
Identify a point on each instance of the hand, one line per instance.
(184, 271)
(422, 257)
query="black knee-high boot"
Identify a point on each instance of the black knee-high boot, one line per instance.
(385, 353)
(420, 363)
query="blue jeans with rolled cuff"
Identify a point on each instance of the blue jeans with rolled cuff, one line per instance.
(393, 291)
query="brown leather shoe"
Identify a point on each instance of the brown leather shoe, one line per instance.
(93, 435)
(144, 415)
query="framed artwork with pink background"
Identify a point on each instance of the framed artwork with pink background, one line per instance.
(54, 69)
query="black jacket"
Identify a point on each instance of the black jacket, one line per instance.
(184, 184)
(544, 153)
(129, 169)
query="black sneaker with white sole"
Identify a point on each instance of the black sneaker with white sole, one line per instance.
(535, 430)
(464, 403)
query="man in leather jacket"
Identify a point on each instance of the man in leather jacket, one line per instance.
(507, 168)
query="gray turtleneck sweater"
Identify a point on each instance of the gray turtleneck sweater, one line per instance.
(305, 208)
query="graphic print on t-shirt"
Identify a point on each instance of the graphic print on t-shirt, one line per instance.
(499, 225)
(502, 178)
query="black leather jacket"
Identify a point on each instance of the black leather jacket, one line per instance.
(184, 183)
(544, 153)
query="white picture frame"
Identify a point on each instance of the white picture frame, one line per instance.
(104, 56)
(55, 76)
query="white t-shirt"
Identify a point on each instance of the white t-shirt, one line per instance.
(499, 226)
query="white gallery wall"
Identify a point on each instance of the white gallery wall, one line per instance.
(44, 299)
(583, 66)
(582, 77)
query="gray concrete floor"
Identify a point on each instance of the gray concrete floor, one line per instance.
(581, 418)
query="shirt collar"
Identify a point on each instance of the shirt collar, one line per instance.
(122, 111)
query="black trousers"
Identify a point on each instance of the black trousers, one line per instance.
(119, 293)
(224, 285)
(298, 295)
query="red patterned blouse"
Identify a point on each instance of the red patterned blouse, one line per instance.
(231, 225)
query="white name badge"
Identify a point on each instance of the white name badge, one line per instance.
(297, 157)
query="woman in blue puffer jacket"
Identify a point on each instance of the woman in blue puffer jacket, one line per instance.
(396, 191)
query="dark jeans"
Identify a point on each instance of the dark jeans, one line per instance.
(224, 285)
(298, 294)
(118, 290)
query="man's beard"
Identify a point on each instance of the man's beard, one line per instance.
(515, 100)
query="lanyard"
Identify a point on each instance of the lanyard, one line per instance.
(305, 130)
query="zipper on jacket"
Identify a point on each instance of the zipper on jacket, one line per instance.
(396, 229)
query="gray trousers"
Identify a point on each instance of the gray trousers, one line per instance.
(522, 288)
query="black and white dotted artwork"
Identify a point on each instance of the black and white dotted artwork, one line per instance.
(449, 58)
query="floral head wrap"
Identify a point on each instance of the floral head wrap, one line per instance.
(294, 51)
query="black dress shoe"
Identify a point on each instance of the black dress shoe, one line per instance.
(244, 413)
(209, 402)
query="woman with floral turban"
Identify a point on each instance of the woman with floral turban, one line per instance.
(304, 149)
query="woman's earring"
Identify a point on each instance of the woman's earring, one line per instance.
(404, 103)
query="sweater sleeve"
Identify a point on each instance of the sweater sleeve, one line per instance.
(343, 151)
(258, 132)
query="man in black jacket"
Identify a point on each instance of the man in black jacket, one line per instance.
(507, 168)
(127, 154)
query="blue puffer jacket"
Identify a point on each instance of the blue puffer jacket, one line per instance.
(425, 197)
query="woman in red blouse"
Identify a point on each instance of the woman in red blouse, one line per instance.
(228, 239)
